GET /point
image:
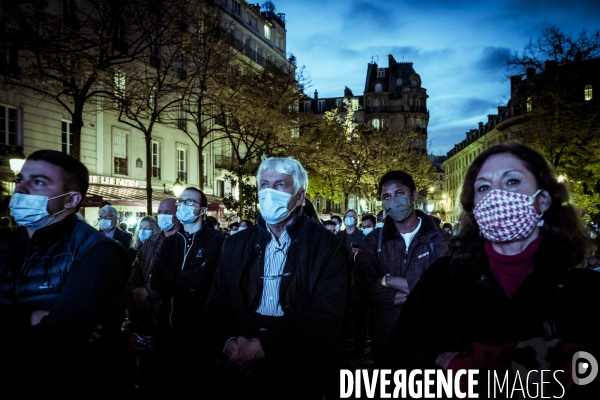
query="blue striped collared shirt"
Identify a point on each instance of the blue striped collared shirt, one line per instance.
(275, 257)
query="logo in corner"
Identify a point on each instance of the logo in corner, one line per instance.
(585, 368)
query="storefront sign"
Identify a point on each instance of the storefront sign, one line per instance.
(107, 180)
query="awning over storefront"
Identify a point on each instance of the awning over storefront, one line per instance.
(134, 196)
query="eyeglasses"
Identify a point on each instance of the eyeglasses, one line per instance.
(111, 218)
(187, 202)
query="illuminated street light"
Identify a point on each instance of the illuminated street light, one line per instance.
(177, 188)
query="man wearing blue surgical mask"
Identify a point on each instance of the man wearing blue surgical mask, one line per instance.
(182, 273)
(394, 257)
(61, 280)
(275, 309)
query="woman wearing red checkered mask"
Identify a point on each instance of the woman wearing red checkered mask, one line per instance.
(510, 298)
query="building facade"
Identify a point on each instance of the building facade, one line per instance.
(115, 152)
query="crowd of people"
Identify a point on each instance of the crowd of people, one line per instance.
(273, 307)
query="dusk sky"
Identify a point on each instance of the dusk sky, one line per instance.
(459, 48)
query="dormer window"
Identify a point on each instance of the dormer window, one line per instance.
(378, 87)
(414, 82)
(587, 93)
(380, 73)
(399, 82)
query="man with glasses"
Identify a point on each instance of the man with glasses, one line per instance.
(275, 310)
(108, 219)
(183, 271)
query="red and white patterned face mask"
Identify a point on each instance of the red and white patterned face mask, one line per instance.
(506, 216)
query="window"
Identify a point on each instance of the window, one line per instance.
(67, 137)
(378, 87)
(375, 123)
(321, 106)
(181, 116)
(9, 61)
(399, 82)
(155, 159)
(587, 93)
(306, 106)
(120, 84)
(69, 16)
(414, 82)
(529, 105)
(267, 32)
(354, 103)
(182, 165)
(236, 7)
(278, 42)
(154, 60)
(120, 152)
(411, 122)
(9, 125)
(380, 72)
(181, 66)
(120, 40)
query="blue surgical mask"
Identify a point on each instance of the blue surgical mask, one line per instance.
(185, 214)
(165, 221)
(105, 224)
(366, 231)
(274, 205)
(144, 234)
(350, 221)
(379, 225)
(31, 210)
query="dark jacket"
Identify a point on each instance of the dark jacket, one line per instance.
(123, 237)
(311, 296)
(395, 259)
(75, 272)
(183, 277)
(458, 302)
(141, 271)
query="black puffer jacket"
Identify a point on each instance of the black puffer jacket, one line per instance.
(68, 268)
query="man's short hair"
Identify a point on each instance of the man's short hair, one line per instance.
(348, 210)
(329, 222)
(369, 217)
(75, 175)
(203, 199)
(285, 165)
(397, 175)
(111, 210)
(337, 218)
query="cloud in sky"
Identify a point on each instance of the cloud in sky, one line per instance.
(459, 48)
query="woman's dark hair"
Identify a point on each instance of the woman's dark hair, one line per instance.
(562, 224)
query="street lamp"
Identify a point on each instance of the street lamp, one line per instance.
(16, 159)
(177, 188)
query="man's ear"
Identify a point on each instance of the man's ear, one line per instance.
(544, 200)
(73, 199)
(300, 199)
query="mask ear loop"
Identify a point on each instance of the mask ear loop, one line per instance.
(540, 220)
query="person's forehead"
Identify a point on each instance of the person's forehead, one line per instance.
(351, 213)
(269, 176)
(145, 224)
(498, 165)
(167, 205)
(106, 211)
(393, 186)
(35, 168)
(367, 222)
(190, 194)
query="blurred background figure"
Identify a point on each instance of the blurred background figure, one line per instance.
(146, 228)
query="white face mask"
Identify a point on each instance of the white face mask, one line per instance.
(144, 234)
(31, 210)
(337, 227)
(165, 221)
(241, 228)
(105, 224)
(379, 225)
(185, 214)
(274, 205)
(350, 221)
(366, 231)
